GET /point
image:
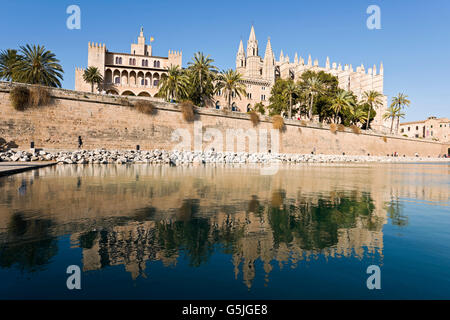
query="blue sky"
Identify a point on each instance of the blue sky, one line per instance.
(414, 42)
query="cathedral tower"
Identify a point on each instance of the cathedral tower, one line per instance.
(253, 59)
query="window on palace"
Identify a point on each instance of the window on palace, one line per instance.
(417, 128)
(263, 97)
(156, 64)
(403, 130)
(249, 95)
(117, 80)
(409, 129)
(155, 83)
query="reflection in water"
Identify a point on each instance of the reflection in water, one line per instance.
(130, 215)
(27, 243)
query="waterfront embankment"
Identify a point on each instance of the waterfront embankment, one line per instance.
(193, 157)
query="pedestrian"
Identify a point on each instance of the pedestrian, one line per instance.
(80, 142)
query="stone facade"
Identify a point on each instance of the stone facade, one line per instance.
(432, 129)
(105, 122)
(136, 73)
(260, 74)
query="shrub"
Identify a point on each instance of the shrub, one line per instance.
(303, 123)
(299, 130)
(19, 97)
(355, 129)
(124, 102)
(333, 128)
(145, 107)
(39, 96)
(254, 118)
(341, 127)
(384, 139)
(187, 110)
(278, 122)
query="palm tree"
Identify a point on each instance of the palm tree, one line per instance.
(391, 113)
(231, 82)
(8, 61)
(38, 66)
(201, 70)
(312, 86)
(401, 101)
(342, 101)
(92, 75)
(358, 114)
(291, 89)
(173, 85)
(373, 100)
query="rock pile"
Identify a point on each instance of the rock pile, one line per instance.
(190, 157)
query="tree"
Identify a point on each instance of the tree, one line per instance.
(38, 66)
(401, 101)
(231, 82)
(8, 61)
(278, 100)
(201, 77)
(391, 113)
(259, 107)
(174, 84)
(292, 89)
(312, 86)
(342, 101)
(92, 75)
(373, 100)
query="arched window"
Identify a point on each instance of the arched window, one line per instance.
(217, 105)
(117, 80)
(156, 64)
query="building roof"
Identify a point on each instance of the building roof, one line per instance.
(423, 121)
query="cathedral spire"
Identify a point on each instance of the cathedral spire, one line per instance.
(241, 49)
(296, 58)
(240, 56)
(281, 56)
(252, 44)
(269, 52)
(252, 34)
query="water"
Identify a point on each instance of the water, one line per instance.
(228, 232)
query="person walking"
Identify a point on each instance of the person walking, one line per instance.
(80, 142)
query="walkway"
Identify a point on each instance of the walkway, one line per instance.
(8, 168)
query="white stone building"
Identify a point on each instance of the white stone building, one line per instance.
(260, 74)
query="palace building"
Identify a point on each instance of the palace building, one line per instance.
(260, 74)
(136, 73)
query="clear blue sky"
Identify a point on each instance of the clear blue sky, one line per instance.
(414, 42)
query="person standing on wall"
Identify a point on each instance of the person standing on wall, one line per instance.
(80, 142)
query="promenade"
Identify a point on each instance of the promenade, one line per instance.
(8, 168)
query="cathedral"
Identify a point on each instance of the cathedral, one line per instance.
(260, 73)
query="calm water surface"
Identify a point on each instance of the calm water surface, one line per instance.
(230, 232)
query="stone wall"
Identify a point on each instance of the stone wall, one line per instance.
(105, 122)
